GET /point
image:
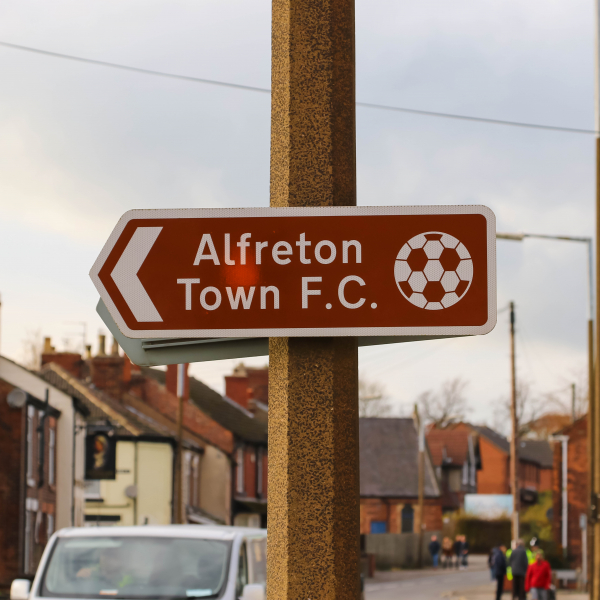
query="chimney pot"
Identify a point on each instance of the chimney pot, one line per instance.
(101, 345)
(48, 345)
(88, 352)
(115, 348)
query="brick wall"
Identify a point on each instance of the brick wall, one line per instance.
(11, 485)
(69, 361)
(493, 476)
(236, 388)
(390, 511)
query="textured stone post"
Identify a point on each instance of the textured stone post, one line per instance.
(313, 519)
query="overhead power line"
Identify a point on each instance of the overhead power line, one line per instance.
(249, 88)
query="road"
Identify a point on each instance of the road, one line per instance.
(428, 585)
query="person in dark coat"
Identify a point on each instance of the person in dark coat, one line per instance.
(434, 550)
(519, 562)
(458, 550)
(498, 565)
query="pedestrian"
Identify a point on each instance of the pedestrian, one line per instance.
(499, 569)
(465, 552)
(447, 552)
(491, 563)
(518, 563)
(434, 550)
(458, 550)
(539, 577)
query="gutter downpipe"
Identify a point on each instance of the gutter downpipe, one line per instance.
(564, 439)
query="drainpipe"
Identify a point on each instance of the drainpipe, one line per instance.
(564, 439)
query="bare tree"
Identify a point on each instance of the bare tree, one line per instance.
(529, 409)
(447, 406)
(372, 400)
(31, 351)
(562, 400)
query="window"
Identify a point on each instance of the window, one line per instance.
(195, 500)
(378, 527)
(454, 480)
(465, 473)
(29, 518)
(29, 435)
(259, 473)
(408, 517)
(101, 566)
(92, 489)
(242, 573)
(49, 525)
(239, 459)
(51, 456)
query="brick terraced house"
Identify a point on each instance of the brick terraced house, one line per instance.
(389, 449)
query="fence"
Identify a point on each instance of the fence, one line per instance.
(398, 550)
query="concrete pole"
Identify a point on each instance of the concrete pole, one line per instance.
(514, 440)
(313, 512)
(594, 415)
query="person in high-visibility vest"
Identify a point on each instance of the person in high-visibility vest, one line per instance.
(530, 560)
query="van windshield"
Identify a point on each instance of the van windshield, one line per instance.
(136, 567)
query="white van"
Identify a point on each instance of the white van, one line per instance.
(171, 562)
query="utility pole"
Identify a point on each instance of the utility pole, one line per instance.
(594, 413)
(514, 441)
(180, 507)
(314, 503)
(573, 402)
(421, 484)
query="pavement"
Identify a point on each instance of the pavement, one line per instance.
(472, 583)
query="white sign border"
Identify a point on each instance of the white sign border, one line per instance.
(320, 211)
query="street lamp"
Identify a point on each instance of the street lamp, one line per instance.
(519, 237)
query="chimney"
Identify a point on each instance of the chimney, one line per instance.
(69, 361)
(88, 352)
(171, 380)
(115, 348)
(101, 345)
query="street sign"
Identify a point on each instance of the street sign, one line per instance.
(418, 271)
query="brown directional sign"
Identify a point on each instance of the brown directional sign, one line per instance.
(327, 271)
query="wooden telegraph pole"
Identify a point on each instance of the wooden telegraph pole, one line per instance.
(313, 512)
(421, 484)
(179, 507)
(594, 413)
(514, 440)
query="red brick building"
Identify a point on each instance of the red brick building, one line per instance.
(389, 479)
(456, 457)
(575, 437)
(39, 483)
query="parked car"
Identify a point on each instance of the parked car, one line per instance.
(174, 562)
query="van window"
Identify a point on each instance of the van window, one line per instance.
(257, 560)
(242, 573)
(136, 567)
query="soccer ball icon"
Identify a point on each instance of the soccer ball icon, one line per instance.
(433, 270)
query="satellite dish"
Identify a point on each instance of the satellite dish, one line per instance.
(131, 491)
(17, 398)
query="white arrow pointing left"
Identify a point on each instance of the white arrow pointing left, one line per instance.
(125, 274)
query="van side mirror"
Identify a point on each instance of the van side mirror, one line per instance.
(19, 589)
(252, 591)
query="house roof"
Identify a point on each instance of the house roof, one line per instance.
(536, 451)
(493, 436)
(448, 446)
(389, 459)
(101, 406)
(226, 412)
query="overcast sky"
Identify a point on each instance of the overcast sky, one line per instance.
(81, 144)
